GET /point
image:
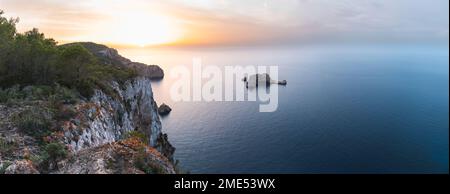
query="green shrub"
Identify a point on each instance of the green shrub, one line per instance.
(38, 161)
(4, 167)
(6, 148)
(11, 94)
(57, 93)
(86, 88)
(50, 155)
(138, 135)
(33, 122)
(55, 152)
(65, 94)
(62, 95)
(65, 113)
(142, 162)
(3, 96)
(37, 92)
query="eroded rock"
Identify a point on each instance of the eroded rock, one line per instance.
(124, 157)
(21, 167)
(105, 119)
(257, 80)
(164, 109)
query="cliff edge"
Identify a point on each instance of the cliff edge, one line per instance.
(56, 130)
(110, 56)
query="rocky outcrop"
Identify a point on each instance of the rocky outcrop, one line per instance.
(153, 72)
(256, 80)
(107, 118)
(110, 56)
(164, 109)
(21, 167)
(124, 157)
(99, 135)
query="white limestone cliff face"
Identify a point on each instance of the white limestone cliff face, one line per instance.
(106, 118)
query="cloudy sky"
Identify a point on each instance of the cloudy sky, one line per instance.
(234, 22)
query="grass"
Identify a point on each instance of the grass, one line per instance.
(4, 167)
(141, 162)
(143, 138)
(54, 94)
(34, 122)
(7, 148)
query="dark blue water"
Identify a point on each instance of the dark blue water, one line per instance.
(380, 109)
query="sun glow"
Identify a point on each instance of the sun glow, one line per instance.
(142, 29)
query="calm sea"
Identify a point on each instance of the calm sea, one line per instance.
(352, 109)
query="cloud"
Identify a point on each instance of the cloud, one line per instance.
(297, 21)
(251, 21)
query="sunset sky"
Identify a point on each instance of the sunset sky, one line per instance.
(233, 22)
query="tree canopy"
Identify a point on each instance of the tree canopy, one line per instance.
(32, 59)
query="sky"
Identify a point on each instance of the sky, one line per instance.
(234, 22)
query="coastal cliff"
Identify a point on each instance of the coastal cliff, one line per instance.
(110, 56)
(116, 130)
(76, 108)
(107, 118)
